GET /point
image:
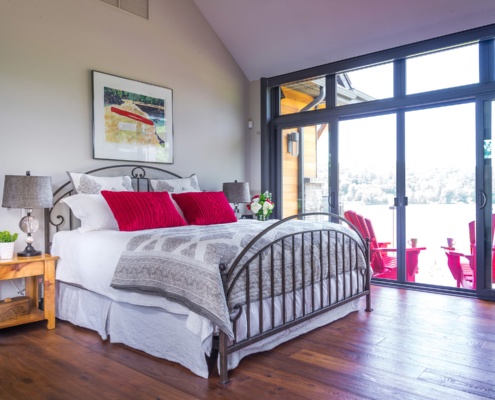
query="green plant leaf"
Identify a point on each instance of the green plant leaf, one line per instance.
(7, 237)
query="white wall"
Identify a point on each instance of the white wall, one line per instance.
(47, 51)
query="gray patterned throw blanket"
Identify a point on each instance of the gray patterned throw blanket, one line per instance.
(182, 264)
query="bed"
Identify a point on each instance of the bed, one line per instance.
(205, 293)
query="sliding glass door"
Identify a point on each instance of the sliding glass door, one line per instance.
(409, 184)
(489, 268)
(489, 271)
(426, 234)
(486, 228)
(400, 144)
(440, 161)
(367, 185)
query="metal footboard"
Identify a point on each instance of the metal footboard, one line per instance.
(315, 271)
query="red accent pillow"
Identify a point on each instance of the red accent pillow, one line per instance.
(205, 208)
(135, 211)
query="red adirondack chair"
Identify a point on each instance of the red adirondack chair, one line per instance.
(460, 268)
(383, 263)
(463, 266)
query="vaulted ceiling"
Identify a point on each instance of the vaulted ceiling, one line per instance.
(273, 37)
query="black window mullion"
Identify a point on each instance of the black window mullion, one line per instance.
(399, 78)
(333, 192)
(401, 194)
(331, 87)
(486, 61)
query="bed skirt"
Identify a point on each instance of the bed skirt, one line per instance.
(152, 330)
(163, 334)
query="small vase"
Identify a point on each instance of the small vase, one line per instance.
(261, 217)
(7, 251)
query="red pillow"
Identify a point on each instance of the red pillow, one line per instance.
(135, 211)
(205, 208)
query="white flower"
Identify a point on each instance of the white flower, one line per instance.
(255, 206)
(267, 206)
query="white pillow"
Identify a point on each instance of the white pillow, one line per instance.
(93, 211)
(177, 185)
(90, 184)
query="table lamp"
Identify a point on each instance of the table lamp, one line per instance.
(28, 192)
(237, 192)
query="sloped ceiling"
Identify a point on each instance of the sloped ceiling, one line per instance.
(273, 37)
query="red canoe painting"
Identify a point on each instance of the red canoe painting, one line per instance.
(132, 115)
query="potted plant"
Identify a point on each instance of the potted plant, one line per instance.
(7, 242)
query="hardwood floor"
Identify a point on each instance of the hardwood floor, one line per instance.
(414, 345)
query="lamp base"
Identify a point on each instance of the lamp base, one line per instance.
(29, 251)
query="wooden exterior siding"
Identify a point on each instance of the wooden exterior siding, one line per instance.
(293, 102)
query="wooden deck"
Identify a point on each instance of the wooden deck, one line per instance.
(414, 345)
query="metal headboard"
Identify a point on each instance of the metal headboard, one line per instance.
(59, 217)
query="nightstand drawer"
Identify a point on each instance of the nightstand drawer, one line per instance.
(21, 270)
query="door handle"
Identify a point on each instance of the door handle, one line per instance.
(331, 201)
(483, 199)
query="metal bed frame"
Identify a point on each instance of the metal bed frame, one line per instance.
(318, 278)
(249, 260)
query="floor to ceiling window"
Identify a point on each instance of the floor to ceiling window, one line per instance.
(367, 180)
(402, 144)
(440, 161)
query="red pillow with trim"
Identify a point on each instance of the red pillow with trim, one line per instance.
(135, 211)
(205, 208)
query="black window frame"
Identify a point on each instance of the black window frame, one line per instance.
(272, 122)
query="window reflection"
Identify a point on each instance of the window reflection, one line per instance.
(365, 84)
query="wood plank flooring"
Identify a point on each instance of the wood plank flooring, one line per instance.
(414, 345)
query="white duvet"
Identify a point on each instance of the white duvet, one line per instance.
(88, 260)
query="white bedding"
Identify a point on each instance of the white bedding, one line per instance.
(89, 259)
(150, 323)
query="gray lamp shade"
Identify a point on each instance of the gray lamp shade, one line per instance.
(25, 191)
(237, 192)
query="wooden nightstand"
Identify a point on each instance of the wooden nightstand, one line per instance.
(31, 268)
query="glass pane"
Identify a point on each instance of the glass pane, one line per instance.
(489, 155)
(443, 69)
(305, 160)
(365, 84)
(440, 186)
(367, 154)
(303, 95)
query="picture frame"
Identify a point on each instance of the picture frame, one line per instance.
(132, 120)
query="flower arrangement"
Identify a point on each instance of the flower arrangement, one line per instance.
(261, 205)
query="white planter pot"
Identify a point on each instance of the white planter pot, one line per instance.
(6, 251)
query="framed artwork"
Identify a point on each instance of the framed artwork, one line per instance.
(132, 120)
